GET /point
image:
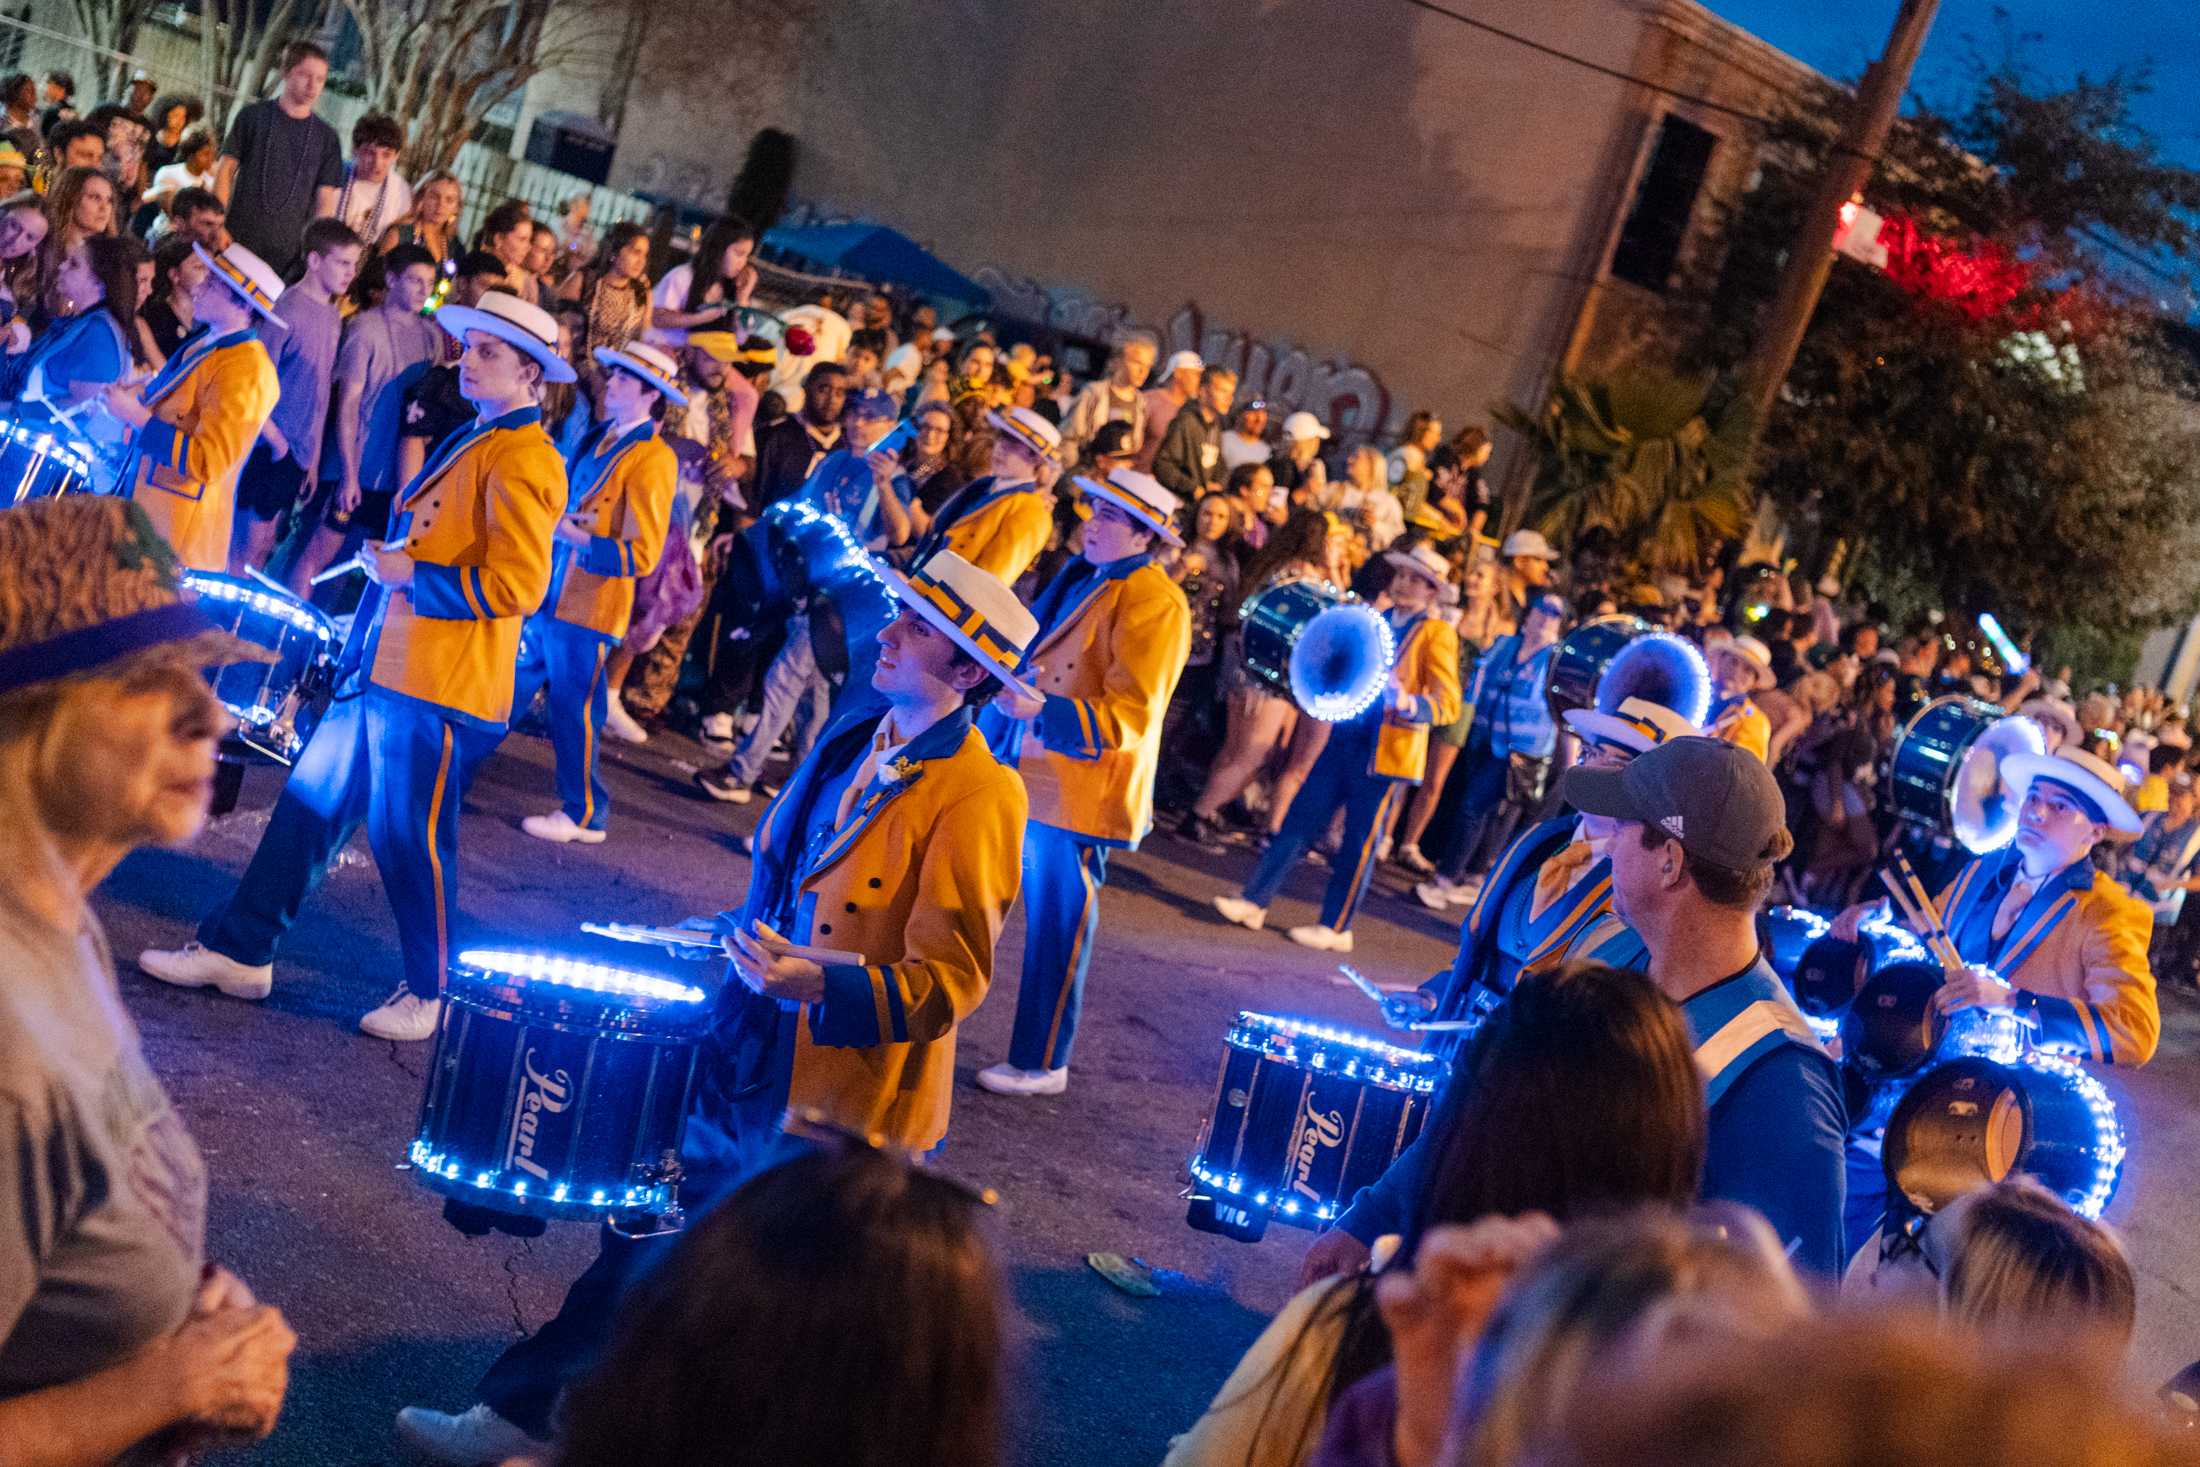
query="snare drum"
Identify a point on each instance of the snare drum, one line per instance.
(1304, 1117)
(1311, 643)
(275, 703)
(559, 1088)
(1946, 773)
(36, 462)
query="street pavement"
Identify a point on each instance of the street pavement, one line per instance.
(304, 1122)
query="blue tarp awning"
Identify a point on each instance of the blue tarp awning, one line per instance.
(876, 253)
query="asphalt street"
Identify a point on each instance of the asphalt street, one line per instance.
(305, 1122)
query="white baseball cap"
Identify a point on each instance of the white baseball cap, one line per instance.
(1184, 361)
(1303, 424)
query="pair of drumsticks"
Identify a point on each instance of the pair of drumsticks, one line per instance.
(1920, 911)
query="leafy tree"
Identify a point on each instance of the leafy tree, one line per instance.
(1998, 418)
(1633, 454)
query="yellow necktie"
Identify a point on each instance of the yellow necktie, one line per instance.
(2012, 906)
(1558, 875)
(862, 778)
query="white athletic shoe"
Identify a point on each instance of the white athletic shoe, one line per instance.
(470, 1437)
(718, 728)
(562, 828)
(620, 724)
(1321, 938)
(1242, 912)
(1440, 895)
(404, 1016)
(194, 966)
(1008, 1080)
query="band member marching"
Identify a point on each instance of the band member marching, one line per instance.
(618, 505)
(2041, 932)
(1114, 633)
(425, 683)
(1367, 762)
(883, 875)
(1740, 666)
(1001, 522)
(198, 417)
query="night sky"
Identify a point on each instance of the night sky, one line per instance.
(2072, 36)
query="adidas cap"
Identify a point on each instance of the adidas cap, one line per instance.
(1719, 801)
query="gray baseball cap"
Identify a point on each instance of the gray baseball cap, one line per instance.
(1717, 800)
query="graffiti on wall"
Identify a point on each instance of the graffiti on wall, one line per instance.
(1348, 397)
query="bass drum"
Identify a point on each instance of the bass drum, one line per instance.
(1892, 1029)
(1972, 1122)
(1582, 657)
(1314, 644)
(1946, 773)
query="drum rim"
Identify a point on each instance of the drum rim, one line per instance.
(684, 998)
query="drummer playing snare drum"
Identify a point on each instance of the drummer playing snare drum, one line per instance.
(2043, 932)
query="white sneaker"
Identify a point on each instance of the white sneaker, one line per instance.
(1465, 893)
(1441, 895)
(620, 724)
(471, 1437)
(1242, 912)
(562, 828)
(195, 966)
(1321, 938)
(1008, 1080)
(718, 728)
(404, 1016)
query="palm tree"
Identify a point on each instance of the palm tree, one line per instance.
(1635, 454)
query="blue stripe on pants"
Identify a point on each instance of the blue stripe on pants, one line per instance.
(1062, 879)
(1339, 777)
(402, 769)
(569, 662)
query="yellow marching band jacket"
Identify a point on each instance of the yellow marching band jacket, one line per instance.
(626, 487)
(1427, 672)
(477, 521)
(209, 403)
(1004, 531)
(1108, 670)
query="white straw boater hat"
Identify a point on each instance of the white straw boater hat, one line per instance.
(1423, 561)
(972, 606)
(1028, 429)
(2095, 782)
(1140, 496)
(650, 364)
(531, 329)
(1753, 652)
(248, 275)
(1638, 727)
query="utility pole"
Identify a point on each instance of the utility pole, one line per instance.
(1810, 258)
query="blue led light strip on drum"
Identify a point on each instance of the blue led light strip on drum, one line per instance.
(1364, 1057)
(567, 972)
(448, 1168)
(1234, 1185)
(2109, 1149)
(292, 613)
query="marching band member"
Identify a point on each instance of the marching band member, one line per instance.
(198, 417)
(1368, 761)
(1001, 522)
(426, 683)
(1740, 666)
(893, 848)
(1114, 633)
(1549, 897)
(618, 506)
(2043, 932)
(1694, 828)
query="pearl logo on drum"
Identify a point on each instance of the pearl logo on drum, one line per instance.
(1322, 1133)
(537, 1093)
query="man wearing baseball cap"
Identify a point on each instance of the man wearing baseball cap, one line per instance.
(618, 507)
(424, 685)
(198, 417)
(1697, 825)
(1114, 630)
(1000, 523)
(1179, 384)
(1548, 902)
(2043, 932)
(1299, 464)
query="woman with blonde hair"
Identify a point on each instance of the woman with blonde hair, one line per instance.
(2018, 1257)
(433, 224)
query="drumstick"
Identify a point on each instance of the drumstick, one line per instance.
(1935, 941)
(345, 568)
(1361, 983)
(1943, 945)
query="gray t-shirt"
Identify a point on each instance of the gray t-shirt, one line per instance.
(385, 352)
(305, 364)
(103, 1215)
